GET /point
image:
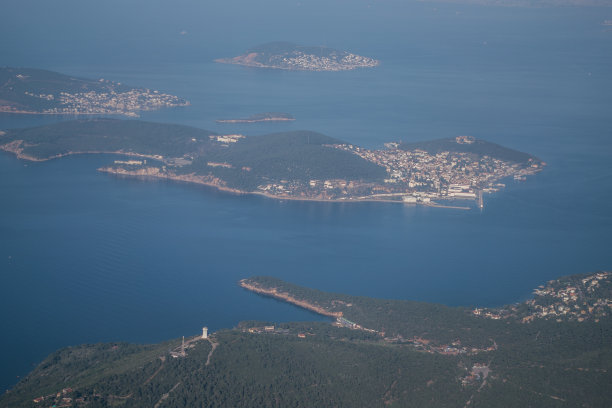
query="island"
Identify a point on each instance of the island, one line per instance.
(261, 117)
(369, 353)
(37, 91)
(297, 165)
(289, 56)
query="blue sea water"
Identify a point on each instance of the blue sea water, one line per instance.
(88, 257)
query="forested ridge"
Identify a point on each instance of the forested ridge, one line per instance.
(490, 363)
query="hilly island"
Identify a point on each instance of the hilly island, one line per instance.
(260, 117)
(298, 165)
(550, 351)
(285, 55)
(36, 91)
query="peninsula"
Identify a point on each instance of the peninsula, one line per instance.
(298, 165)
(375, 353)
(284, 55)
(261, 117)
(36, 91)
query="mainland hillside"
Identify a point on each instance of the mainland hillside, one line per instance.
(372, 353)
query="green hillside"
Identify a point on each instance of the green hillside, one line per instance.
(273, 49)
(109, 135)
(295, 156)
(477, 147)
(16, 83)
(29, 90)
(543, 363)
(301, 165)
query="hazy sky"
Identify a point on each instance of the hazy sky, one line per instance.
(138, 29)
(41, 32)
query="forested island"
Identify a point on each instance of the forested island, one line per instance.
(375, 353)
(289, 56)
(298, 165)
(261, 117)
(36, 91)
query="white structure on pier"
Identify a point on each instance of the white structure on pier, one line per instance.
(204, 332)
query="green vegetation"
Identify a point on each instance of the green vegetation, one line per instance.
(16, 83)
(541, 364)
(296, 156)
(27, 90)
(109, 135)
(268, 115)
(295, 165)
(269, 50)
(477, 147)
(397, 318)
(284, 55)
(260, 117)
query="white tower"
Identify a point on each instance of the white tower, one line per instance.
(204, 332)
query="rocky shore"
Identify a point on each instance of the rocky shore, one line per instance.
(286, 297)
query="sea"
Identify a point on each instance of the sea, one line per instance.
(87, 257)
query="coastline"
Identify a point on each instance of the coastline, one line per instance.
(210, 181)
(253, 64)
(253, 120)
(286, 297)
(260, 65)
(14, 148)
(132, 114)
(217, 183)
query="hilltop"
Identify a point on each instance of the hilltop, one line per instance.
(285, 55)
(297, 165)
(376, 353)
(470, 145)
(37, 91)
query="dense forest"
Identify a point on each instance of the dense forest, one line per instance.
(108, 135)
(543, 363)
(298, 156)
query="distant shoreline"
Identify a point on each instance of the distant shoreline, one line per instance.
(286, 297)
(231, 61)
(253, 120)
(64, 113)
(208, 180)
(253, 64)
(216, 184)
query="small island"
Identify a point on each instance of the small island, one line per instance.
(367, 352)
(289, 56)
(296, 165)
(261, 117)
(36, 91)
